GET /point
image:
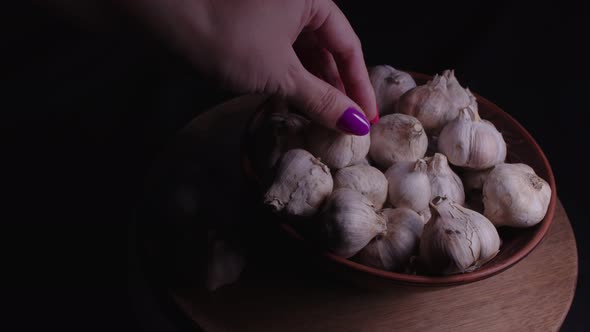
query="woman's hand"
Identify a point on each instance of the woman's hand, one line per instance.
(258, 46)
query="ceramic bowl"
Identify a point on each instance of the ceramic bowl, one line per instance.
(516, 243)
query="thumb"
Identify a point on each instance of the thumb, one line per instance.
(326, 105)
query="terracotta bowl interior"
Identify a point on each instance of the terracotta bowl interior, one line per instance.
(516, 243)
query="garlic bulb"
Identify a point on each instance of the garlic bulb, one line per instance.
(456, 239)
(288, 132)
(392, 251)
(301, 184)
(443, 181)
(225, 265)
(364, 179)
(467, 141)
(397, 137)
(460, 97)
(348, 222)
(472, 101)
(275, 131)
(513, 195)
(409, 185)
(430, 104)
(425, 215)
(335, 149)
(389, 84)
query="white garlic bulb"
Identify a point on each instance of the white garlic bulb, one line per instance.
(430, 104)
(288, 131)
(225, 264)
(397, 137)
(301, 184)
(443, 181)
(472, 101)
(456, 239)
(389, 84)
(364, 179)
(467, 141)
(425, 215)
(348, 222)
(513, 195)
(473, 179)
(335, 149)
(392, 251)
(460, 97)
(275, 130)
(409, 185)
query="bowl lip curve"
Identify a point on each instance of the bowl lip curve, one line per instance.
(540, 230)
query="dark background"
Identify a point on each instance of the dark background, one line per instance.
(90, 100)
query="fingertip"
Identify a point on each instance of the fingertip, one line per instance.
(326, 105)
(353, 121)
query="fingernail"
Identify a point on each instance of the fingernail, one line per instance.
(354, 122)
(376, 118)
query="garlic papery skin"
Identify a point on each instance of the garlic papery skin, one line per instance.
(430, 104)
(409, 185)
(425, 215)
(397, 137)
(335, 149)
(288, 129)
(365, 179)
(301, 184)
(456, 239)
(467, 141)
(348, 222)
(389, 84)
(392, 251)
(472, 101)
(275, 131)
(460, 97)
(443, 181)
(513, 195)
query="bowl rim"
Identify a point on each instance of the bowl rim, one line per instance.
(486, 271)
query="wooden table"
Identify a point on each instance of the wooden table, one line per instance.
(288, 295)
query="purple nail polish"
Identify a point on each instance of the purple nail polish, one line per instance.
(354, 122)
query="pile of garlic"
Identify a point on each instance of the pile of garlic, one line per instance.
(404, 198)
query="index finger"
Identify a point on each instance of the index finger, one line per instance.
(335, 33)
